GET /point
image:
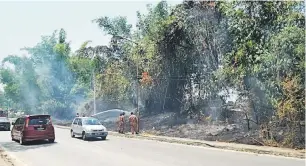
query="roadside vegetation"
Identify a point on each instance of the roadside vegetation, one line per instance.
(227, 71)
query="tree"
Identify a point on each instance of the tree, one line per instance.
(267, 56)
(43, 81)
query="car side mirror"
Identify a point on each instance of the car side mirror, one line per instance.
(13, 123)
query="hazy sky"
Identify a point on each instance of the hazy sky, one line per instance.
(23, 23)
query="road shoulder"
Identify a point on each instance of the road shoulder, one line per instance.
(6, 159)
(214, 144)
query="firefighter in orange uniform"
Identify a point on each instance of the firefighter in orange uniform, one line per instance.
(121, 123)
(118, 123)
(133, 122)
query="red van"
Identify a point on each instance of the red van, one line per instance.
(32, 128)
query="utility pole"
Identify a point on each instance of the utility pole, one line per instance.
(94, 89)
(94, 84)
(137, 91)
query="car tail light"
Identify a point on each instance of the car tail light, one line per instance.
(27, 122)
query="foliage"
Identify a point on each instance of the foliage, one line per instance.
(267, 58)
(43, 82)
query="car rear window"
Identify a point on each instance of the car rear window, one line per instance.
(39, 120)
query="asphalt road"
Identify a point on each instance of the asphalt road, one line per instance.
(116, 151)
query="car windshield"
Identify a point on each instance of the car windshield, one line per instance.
(91, 121)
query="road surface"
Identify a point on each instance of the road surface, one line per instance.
(116, 151)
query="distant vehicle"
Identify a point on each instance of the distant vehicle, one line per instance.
(88, 127)
(32, 128)
(5, 124)
(3, 113)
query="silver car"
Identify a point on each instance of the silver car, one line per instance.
(88, 127)
(5, 123)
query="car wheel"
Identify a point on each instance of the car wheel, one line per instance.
(51, 140)
(72, 134)
(84, 136)
(103, 138)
